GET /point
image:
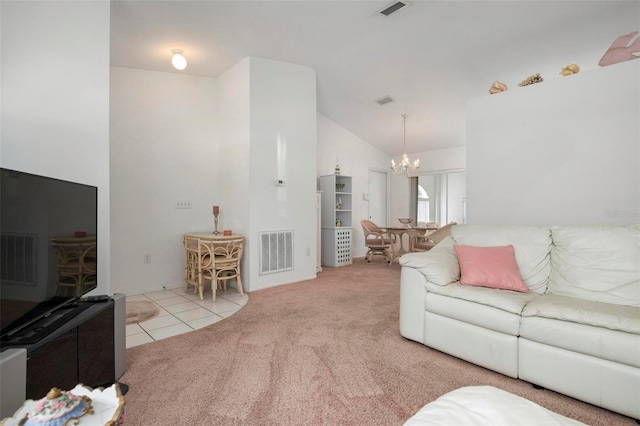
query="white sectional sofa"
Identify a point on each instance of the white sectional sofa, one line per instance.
(575, 331)
(485, 406)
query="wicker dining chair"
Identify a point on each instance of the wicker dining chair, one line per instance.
(214, 260)
(425, 242)
(197, 259)
(227, 254)
(76, 265)
(377, 241)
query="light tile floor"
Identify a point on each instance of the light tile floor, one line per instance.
(182, 312)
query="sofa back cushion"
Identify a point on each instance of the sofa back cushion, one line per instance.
(596, 262)
(532, 246)
(439, 265)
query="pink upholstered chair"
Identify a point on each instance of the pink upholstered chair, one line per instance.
(377, 241)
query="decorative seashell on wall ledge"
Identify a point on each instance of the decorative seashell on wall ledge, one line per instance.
(570, 69)
(622, 49)
(532, 79)
(498, 87)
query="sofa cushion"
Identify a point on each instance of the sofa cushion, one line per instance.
(602, 330)
(532, 245)
(598, 342)
(510, 301)
(493, 267)
(597, 314)
(478, 314)
(439, 265)
(597, 262)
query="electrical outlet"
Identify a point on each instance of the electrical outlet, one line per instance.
(183, 204)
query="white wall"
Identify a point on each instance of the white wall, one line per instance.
(163, 150)
(456, 193)
(55, 99)
(441, 160)
(565, 151)
(211, 142)
(283, 146)
(356, 158)
(234, 146)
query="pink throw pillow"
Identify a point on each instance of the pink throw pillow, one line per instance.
(493, 267)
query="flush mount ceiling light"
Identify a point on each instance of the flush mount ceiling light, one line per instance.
(178, 61)
(405, 167)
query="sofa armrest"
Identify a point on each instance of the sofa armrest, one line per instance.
(439, 265)
(412, 304)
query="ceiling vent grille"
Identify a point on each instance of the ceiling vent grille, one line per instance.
(384, 100)
(393, 8)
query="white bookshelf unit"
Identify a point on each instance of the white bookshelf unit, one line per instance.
(337, 220)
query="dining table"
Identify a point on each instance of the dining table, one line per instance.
(399, 232)
(194, 259)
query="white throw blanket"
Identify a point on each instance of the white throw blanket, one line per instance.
(485, 405)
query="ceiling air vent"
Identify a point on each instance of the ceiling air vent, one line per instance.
(393, 8)
(384, 100)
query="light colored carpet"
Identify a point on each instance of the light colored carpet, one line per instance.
(138, 311)
(320, 352)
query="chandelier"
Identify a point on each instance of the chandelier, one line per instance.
(405, 167)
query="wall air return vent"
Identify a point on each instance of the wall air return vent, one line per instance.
(393, 8)
(384, 100)
(276, 251)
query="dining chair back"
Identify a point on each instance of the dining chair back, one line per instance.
(376, 241)
(227, 254)
(197, 259)
(214, 259)
(426, 241)
(76, 265)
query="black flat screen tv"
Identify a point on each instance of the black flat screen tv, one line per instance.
(37, 212)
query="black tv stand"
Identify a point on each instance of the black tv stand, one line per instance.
(76, 346)
(124, 388)
(45, 325)
(89, 348)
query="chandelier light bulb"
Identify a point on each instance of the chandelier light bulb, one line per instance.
(178, 61)
(405, 167)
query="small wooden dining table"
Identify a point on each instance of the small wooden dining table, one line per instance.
(399, 232)
(193, 264)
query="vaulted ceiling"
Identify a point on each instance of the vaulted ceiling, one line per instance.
(431, 57)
